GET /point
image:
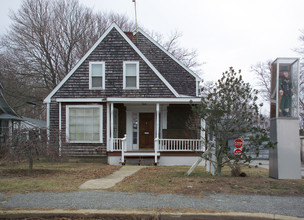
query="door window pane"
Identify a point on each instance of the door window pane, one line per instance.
(135, 127)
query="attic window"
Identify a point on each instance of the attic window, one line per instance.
(97, 75)
(131, 75)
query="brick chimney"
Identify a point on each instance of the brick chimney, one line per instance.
(130, 35)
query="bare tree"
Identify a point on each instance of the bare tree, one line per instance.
(27, 144)
(45, 41)
(262, 70)
(47, 38)
(171, 43)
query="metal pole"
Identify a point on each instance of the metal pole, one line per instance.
(135, 18)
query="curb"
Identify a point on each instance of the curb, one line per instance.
(136, 214)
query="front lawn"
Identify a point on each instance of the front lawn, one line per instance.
(51, 176)
(68, 176)
(173, 180)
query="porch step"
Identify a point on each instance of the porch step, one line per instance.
(140, 158)
(140, 161)
(141, 154)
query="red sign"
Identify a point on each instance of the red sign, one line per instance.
(238, 143)
(237, 152)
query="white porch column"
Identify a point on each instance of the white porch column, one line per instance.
(108, 127)
(163, 122)
(157, 120)
(156, 147)
(203, 134)
(47, 126)
(112, 125)
(60, 129)
(10, 128)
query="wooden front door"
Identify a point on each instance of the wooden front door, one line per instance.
(146, 130)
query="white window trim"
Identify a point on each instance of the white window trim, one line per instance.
(124, 74)
(100, 107)
(103, 76)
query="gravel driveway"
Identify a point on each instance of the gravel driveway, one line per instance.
(103, 200)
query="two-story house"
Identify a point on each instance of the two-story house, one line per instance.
(127, 97)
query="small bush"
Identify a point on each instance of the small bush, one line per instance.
(236, 170)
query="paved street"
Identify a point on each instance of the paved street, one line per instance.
(105, 200)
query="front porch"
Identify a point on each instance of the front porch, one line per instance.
(162, 148)
(154, 131)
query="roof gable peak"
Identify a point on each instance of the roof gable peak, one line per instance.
(109, 29)
(167, 52)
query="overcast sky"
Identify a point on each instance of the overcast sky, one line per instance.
(226, 33)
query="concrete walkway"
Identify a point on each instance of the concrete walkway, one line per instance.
(111, 180)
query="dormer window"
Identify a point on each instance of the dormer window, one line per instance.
(131, 75)
(97, 75)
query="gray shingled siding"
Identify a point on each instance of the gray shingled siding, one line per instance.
(181, 80)
(76, 149)
(113, 50)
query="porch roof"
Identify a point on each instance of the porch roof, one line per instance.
(6, 116)
(184, 100)
(181, 100)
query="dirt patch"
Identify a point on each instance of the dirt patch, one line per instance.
(174, 180)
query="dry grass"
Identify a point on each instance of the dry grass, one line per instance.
(68, 176)
(50, 176)
(173, 180)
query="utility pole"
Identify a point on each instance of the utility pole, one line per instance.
(135, 17)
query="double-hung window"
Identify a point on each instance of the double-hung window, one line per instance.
(84, 123)
(97, 75)
(131, 75)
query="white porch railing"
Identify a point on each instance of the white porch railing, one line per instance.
(117, 143)
(166, 144)
(120, 144)
(181, 145)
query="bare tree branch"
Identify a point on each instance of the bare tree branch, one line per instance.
(262, 70)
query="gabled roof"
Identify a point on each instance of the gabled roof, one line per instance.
(169, 54)
(34, 122)
(9, 113)
(48, 98)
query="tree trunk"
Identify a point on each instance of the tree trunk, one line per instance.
(30, 164)
(219, 162)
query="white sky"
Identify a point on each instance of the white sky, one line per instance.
(226, 33)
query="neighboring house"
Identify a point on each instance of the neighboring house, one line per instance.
(32, 123)
(126, 98)
(34, 128)
(9, 119)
